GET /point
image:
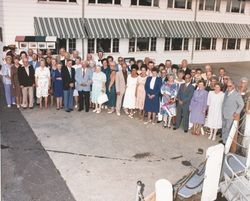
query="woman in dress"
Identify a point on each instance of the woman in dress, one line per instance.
(52, 74)
(169, 93)
(129, 97)
(16, 89)
(111, 89)
(42, 78)
(6, 72)
(58, 86)
(98, 86)
(152, 88)
(214, 117)
(106, 70)
(198, 107)
(140, 91)
(75, 92)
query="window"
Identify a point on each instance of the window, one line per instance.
(211, 5)
(154, 3)
(247, 44)
(167, 44)
(61, 43)
(72, 45)
(176, 44)
(105, 45)
(231, 44)
(205, 44)
(91, 45)
(236, 6)
(67, 1)
(142, 44)
(105, 1)
(185, 46)
(184, 4)
(1, 34)
(153, 44)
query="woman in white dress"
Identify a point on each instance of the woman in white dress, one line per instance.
(129, 97)
(98, 86)
(42, 75)
(214, 117)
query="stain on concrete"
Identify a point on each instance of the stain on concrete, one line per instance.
(176, 157)
(142, 155)
(186, 163)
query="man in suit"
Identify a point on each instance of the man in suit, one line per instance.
(35, 64)
(184, 67)
(231, 109)
(83, 81)
(26, 77)
(184, 97)
(68, 78)
(120, 86)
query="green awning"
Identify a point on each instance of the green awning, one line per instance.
(181, 29)
(106, 28)
(212, 30)
(237, 30)
(146, 28)
(59, 27)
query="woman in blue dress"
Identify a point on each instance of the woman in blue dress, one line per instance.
(152, 88)
(107, 71)
(58, 86)
(169, 93)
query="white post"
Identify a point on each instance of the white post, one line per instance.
(163, 190)
(231, 136)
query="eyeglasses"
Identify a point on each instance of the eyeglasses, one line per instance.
(229, 85)
(120, 60)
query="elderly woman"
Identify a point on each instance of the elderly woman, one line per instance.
(92, 65)
(98, 86)
(15, 82)
(198, 107)
(169, 93)
(42, 78)
(152, 88)
(6, 72)
(58, 86)
(111, 89)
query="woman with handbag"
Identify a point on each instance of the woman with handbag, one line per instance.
(98, 89)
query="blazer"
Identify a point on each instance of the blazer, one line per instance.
(66, 78)
(185, 94)
(120, 83)
(36, 65)
(157, 87)
(232, 104)
(87, 79)
(25, 79)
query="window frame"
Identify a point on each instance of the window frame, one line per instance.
(71, 42)
(149, 45)
(215, 6)
(59, 2)
(247, 47)
(240, 8)
(237, 41)
(96, 3)
(213, 44)
(173, 5)
(182, 44)
(111, 45)
(152, 3)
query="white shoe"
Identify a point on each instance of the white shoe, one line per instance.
(8, 106)
(118, 114)
(94, 110)
(214, 137)
(210, 137)
(18, 106)
(14, 103)
(76, 106)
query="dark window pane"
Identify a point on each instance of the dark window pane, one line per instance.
(91, 45)
(197, 44)
(214, 44)
(61, 43)
(247, 44)
(153, 44)
(131, 45)
(72, 1)
(238, 44)
(145, 2)
(133, 2)
(72, 45)
(235, 6)
(231, 44)
(156, 3)
(176, 44)
(92, 1)
(142, 44)
(224, 44)
(206, 43)
(59, 0)
(189, 4)
(105, 1)
(167, 44)
(243, 4)
(103, 45)
(210, 5)
(185, 46)
(118, 2)
(170, 3)
(180, 3)
(201, 4)
(115, 45)
(218, 5)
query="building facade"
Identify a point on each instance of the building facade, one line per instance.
(202, 31)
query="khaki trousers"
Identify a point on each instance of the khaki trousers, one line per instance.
(119, 102)
(27, 93)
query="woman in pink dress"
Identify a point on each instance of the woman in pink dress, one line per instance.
(140, 91)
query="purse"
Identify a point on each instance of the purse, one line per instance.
(102, 98)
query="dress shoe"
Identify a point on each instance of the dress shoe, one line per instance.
(79, 110)
(67, 110)
(159, 122)
(31, 108)
(174, 128)
(185, 131)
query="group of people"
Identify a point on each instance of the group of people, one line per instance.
(203, 101)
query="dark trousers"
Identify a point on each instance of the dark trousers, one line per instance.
(84, 97)
(182, 116)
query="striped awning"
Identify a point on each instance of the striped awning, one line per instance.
(106, 28)
(146, 28)
(59, 27)
(237, 30)
(212, 30)
(181, 29)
